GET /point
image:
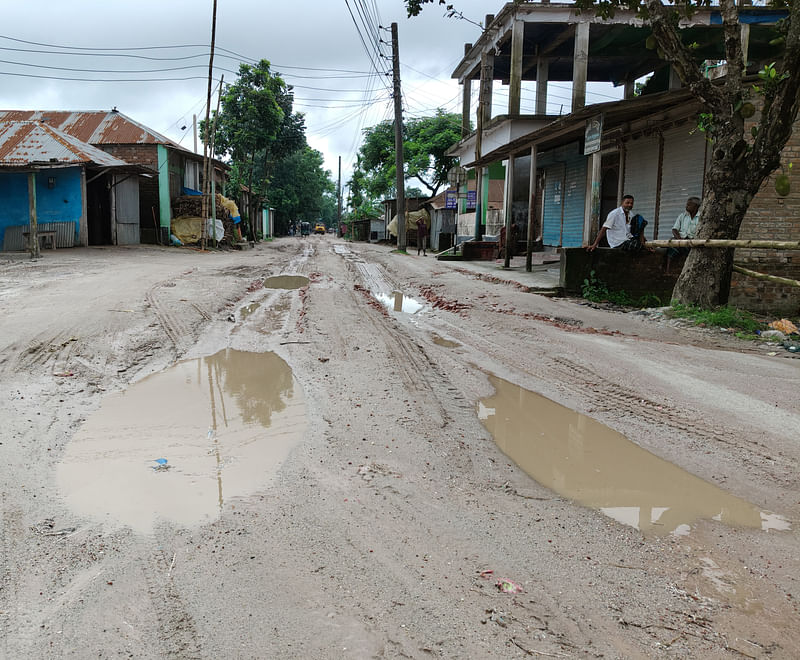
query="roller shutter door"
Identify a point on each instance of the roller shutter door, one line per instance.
(641, 177)
(684, 154)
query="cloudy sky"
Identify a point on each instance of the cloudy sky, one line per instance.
(149, 59)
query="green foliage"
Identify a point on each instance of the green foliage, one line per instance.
(300, 189)
(595, 290)
(721, 317)
(256, 126)
(425, 141)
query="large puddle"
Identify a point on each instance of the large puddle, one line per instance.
(286, 282)
(179, 444)
(585, 461)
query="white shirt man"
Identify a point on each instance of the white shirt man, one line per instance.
(617, 227)
(686, 224)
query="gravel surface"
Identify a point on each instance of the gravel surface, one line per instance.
(386, 528)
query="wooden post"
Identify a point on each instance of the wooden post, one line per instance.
(532, 220)
(515, 83)
(580, 63)
(508, 208)
(33, 222)
(466, 102)
(542, 73)
(591, 227)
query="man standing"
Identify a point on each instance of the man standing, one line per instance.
(685, 227)
(617, 227)
(422, 236)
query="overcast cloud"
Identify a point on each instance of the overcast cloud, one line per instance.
(307, 42)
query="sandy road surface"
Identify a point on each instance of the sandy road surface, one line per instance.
(383, 531)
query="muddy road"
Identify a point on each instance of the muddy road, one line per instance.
(304, 451)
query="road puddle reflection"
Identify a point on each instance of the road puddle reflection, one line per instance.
(286, 282)
(397, 302)
(585, 461)
(247, 310)
(179, 444)
(447, 343)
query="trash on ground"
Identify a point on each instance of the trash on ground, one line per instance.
(496, 616)
(785, 326)
(161, 465)
(508, 586)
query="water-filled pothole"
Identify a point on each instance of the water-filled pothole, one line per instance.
(447, 343)
(181, 443)
(397, 302)
(248, 309)
(587, 462)
(286, 282)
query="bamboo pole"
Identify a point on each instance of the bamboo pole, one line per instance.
(725, 243)
(764, 276)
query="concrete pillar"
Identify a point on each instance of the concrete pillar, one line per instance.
(515, 84)
(508, 203)
(542, 72)
(580, 62)
(466, 102)
(592, 219)
(630, 89)
(485, 92)
(745, 32)
(533, 221)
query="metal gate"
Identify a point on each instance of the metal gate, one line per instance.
(126, 200)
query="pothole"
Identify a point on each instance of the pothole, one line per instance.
(586, 461)
(286, 282)
(180, 444)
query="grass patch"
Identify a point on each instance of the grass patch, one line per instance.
(594, 289)
(723, 317)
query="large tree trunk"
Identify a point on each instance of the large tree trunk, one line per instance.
(731, 181)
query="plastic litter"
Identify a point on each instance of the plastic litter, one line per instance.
(161, 465)
(508, 586)
(785, 326)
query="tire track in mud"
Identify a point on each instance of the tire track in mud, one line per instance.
(176, 330)
(413, 361)
(176, 627)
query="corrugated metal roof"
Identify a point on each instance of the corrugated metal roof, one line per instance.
(94, 127)
(33, 143)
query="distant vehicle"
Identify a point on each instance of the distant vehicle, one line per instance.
(305, 228)
(319, 228)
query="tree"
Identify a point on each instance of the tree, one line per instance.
(256, 127)
(425, 142)
(743, 155)
(301, 189)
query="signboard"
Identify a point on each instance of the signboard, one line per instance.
(593, 136)
(472, 198)
(451, 199)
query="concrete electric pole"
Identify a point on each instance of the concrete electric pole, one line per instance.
(398, 143)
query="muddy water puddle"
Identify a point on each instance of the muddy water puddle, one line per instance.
(398, 302)
(586, 461)
(441, 341)
(247, 310)
(286, 282)
(179, 444)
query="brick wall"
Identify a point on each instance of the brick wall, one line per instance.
(772, 217)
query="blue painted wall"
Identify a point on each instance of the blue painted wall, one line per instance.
(61, 203)
(564, 195)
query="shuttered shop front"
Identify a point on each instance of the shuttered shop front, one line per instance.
(682, 167)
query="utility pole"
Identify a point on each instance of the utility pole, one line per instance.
(206, 168)
(398, 144)
(339, 198)
(194, 131)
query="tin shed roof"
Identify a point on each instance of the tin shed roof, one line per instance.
(26, 143)
(94, 127)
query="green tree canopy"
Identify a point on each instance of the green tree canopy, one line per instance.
(425, 143)
(301, 189)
